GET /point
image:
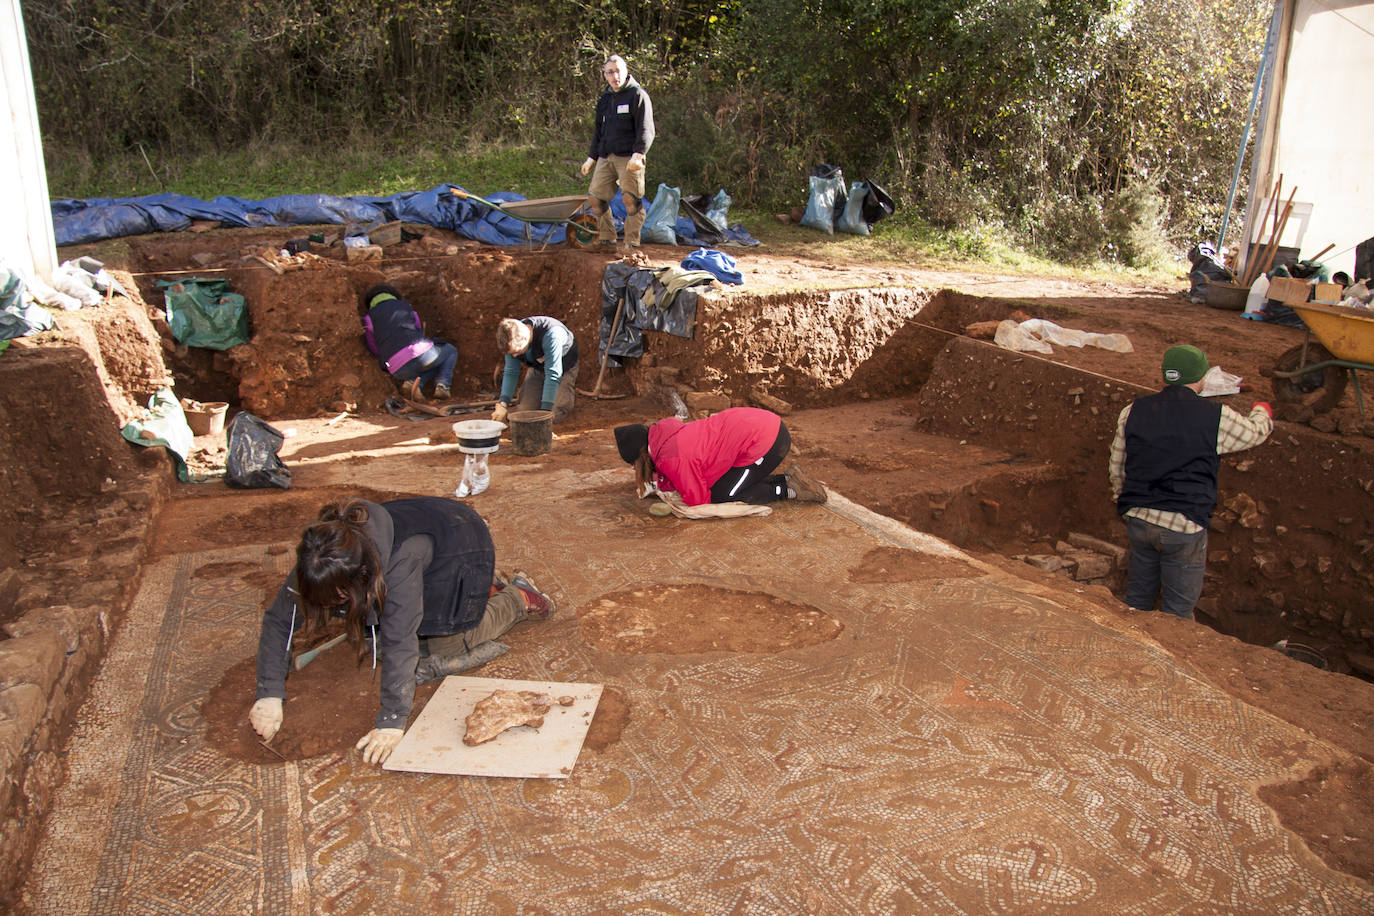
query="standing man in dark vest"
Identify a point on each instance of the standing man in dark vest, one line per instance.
(621, 139)
(1163, 472)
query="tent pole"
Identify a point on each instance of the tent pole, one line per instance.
(1265, 60)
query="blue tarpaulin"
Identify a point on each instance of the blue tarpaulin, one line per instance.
(79, 221)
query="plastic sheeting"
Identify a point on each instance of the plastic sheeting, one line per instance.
(163, 423)
(253, 461)
(79, 221)
(1036, 336)
(625, 282)
(203, 313)
(18, 318)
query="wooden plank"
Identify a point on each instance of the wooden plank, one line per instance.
(434, 744)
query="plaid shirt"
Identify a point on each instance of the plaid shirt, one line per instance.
(1234, 434)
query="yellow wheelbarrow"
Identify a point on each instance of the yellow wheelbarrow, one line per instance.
(1314, 373)
(570, 211)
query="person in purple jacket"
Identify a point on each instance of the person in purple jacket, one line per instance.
(727, 457)
(395, 336)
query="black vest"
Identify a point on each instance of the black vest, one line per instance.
(534, 354)
(458, 578)
(1171, 454)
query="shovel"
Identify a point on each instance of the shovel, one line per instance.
(596, 389)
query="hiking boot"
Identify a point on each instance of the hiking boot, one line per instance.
(441, 392)
(538, 606)
(429, 668)
(807, 489)
(605, 244)
(411, 391)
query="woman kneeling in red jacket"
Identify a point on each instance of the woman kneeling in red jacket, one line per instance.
(726, 457)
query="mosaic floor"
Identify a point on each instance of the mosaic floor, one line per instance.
(963, 746)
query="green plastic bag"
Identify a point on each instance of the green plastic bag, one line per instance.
(203, 313)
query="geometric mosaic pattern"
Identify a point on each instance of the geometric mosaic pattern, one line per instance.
(966, 745)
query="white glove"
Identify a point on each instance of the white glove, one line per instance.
(265, 717)
(636, 162)
(498, 413)
(587, 165)
(378, 744)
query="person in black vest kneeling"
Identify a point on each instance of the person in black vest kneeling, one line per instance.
(408, 577)
(1163, 472)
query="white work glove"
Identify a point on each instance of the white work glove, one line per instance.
(378, 744)
(498, 413)
(636, 162)
(265, 717)
(587, 165)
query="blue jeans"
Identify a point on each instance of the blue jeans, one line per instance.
(1164, 563)
(440, 370)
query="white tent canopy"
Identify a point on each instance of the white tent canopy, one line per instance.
(1315, 130)
(26, 235)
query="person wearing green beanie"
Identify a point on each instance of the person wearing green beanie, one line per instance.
(1163, 474)
(1184, 365)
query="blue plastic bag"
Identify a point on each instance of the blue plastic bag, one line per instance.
(718, 263)
(661, 220)
(820, 207)
(852, 219)
(720, 207)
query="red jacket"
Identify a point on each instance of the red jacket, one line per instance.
(690, 457)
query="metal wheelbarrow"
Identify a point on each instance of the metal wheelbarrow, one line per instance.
(1314, 374)
(569, 211)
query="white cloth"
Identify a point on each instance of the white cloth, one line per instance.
(710, 510)
(1037, 334)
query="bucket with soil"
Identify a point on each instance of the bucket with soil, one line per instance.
(205, 419)
(531, 432)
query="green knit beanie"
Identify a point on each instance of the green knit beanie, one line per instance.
(1184, 365)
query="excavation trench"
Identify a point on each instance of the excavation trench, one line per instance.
(894, 406)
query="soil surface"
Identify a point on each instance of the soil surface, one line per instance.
(897, 403)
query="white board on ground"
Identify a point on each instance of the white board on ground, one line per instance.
(434, 744)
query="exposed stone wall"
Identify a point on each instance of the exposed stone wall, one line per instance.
(71, 481)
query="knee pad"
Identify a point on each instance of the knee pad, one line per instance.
(632, 204)
(600, 206)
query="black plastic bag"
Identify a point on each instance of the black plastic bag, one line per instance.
(877, 204)
(1206, 266)
(253, 461)
(707, 232)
